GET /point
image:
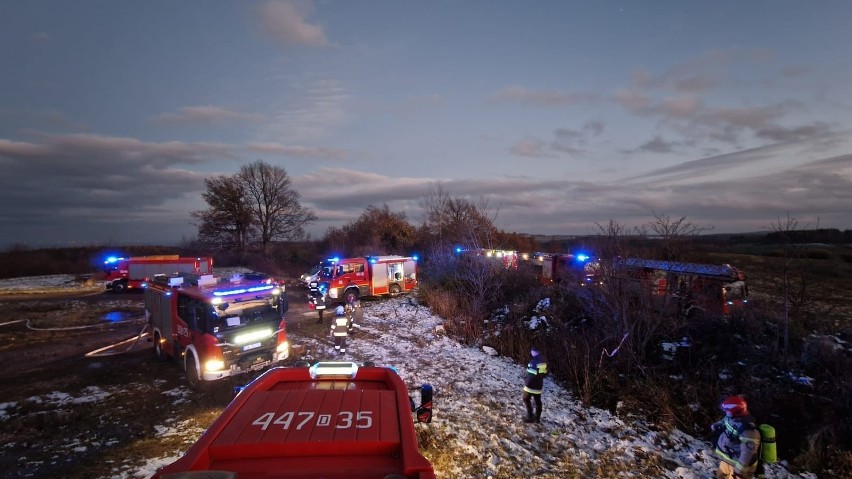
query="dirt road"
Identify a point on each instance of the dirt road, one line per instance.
(66, 414)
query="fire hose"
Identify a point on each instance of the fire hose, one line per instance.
(100, 351)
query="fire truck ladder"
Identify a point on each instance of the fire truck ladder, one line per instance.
(722, 271)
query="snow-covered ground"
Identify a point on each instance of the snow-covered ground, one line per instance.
(477, 430)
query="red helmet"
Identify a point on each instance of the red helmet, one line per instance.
(734, 406)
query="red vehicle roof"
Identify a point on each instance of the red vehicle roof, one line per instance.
(297, 423)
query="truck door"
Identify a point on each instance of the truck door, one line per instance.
(409, 271)
(379, 280)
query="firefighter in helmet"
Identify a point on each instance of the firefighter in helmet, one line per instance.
(340, 329)
(534, 384)
(738, 445)
(354, 312)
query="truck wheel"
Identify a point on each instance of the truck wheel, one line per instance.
(395, 289)
(118, 287)
(192, 376)
(350, 296)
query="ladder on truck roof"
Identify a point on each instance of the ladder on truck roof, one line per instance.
(724, 271)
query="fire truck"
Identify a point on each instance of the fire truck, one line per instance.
(509, 259)
(127, 273)
(558, 267)
(688, 288)
(217, 327)
(351, 278)
(332, 420)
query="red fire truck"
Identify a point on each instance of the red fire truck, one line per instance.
(332, 420)
(689, 288)
(351, 278)
(558, 267)
(217, 327)
(126, 273)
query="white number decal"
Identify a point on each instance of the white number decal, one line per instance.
(367, 417)
(263, 421)
(324, 420)
(346, 416)
(285, 419)
(345, 420)
(309, 416)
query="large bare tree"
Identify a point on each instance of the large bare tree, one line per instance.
(258, 204)
(227, 223)
(274, 204)
(450, 220)
(377, 231)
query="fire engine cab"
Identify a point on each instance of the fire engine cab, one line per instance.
(216, 327)
(332, 420)
(351, 278)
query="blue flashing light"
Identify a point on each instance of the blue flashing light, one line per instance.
(113, 259)
(372, 260)
(333, 260)
(253, 289)
(416, 258)
(582, 257)
(458, 249)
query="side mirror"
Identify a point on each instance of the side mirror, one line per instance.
(424, 412)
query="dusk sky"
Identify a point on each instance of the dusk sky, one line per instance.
(562, 114)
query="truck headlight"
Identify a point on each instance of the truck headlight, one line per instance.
(214, 365)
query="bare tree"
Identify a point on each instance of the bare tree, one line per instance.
(676, 235)
(256, 204)
(376, 231)
(796, 277)
(274, 204)
(451, 220)
(227, 223)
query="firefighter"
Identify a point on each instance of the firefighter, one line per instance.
(738, 444)
(340, 329)
(354, 313)
(317, 296)
(534, 384)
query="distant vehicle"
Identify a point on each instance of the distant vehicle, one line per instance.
(687, 288)
(312, 275)
(351, 278)
(508, 258)
(128, 273)
(558, 267)
(216, 327)
(332, 420)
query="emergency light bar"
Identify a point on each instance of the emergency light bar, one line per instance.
(253, 289)
(334, 368)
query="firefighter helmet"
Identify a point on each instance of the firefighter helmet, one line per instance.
(734, 406)
(339, 311)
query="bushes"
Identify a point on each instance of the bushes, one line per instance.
(608, 350)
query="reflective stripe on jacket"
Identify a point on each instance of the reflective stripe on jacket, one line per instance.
(340, 326)
(536, 371)
(739, 443)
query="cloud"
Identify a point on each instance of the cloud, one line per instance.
(298, 151)
(319, 105)
(286, 23)
(531, 148)
(206, 115)
(83, 185)
(540, 98)
(655, 145)
(40, 38)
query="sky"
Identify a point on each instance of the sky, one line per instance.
(560, 115)
(477, 409)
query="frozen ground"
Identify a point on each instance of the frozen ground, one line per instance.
(477, 431)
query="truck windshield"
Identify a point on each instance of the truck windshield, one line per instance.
(244, 313)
